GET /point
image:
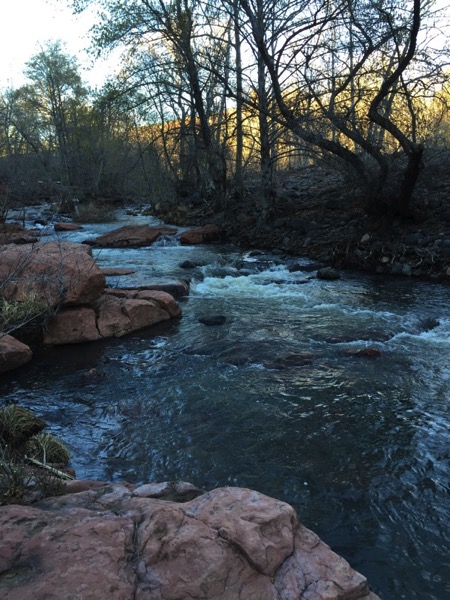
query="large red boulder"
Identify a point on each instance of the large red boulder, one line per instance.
(111, 318)
(72, 325)
(131, 236)
(56, 272)
(162, 299)
(143, 313)
(111, 315)
(116, 542)
(13, 353)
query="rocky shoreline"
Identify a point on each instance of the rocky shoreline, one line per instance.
(102, 540)
(167, 541)
(55, 294)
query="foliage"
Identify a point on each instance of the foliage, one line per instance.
(15, 480)
(17, 425)
(25, 454)
(16, 315)
(46, 448)
(209, 91)
(62, 143)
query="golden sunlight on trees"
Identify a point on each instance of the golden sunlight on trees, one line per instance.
(218, 91)
(354, 80)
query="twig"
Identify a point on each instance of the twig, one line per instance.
(52, 470)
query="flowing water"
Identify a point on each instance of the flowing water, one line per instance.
(276, 399)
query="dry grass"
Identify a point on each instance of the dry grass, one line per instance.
(17, 426)
(47, 449)
(26, 456)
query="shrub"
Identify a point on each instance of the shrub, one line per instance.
(16, 314)
(25, 454)
(46, 448)
(17, 425)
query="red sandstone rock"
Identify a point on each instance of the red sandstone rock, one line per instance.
(113, 271)
(175, 289)
(13, 233)
(110, 544)
(110, 316)
(163, 299)
(72, 326)
(119, 293)
(111, 319)
(13, 353)
(54, 271)
(261, 529)
(67, 227)
(200, 235)
(131, 236)
(66, 272)
(18, 237)
(118, 316)
(143, 313)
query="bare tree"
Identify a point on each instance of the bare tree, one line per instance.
(339, 67)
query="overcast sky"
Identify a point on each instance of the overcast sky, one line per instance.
(28, 24)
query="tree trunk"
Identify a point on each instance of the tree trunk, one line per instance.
(409, 181)
(238, 174)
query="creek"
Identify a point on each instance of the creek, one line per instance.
(276, 399)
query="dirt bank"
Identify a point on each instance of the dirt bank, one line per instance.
(318, 214)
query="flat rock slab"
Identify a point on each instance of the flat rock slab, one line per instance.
(176, 289)
(114, 542)
(112, 271)
(67, 227)
(131, 236)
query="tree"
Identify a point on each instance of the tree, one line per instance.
(170, 45)
(56, 93)
(344, 79)
(337, 69)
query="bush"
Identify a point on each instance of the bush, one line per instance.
(15, 314)
(47, 449)
(25, 454)
(17, 425)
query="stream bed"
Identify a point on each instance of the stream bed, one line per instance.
(279, 398)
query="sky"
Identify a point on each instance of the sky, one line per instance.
(26, 25)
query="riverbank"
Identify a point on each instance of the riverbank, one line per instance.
(317, 214)
(111, 541)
